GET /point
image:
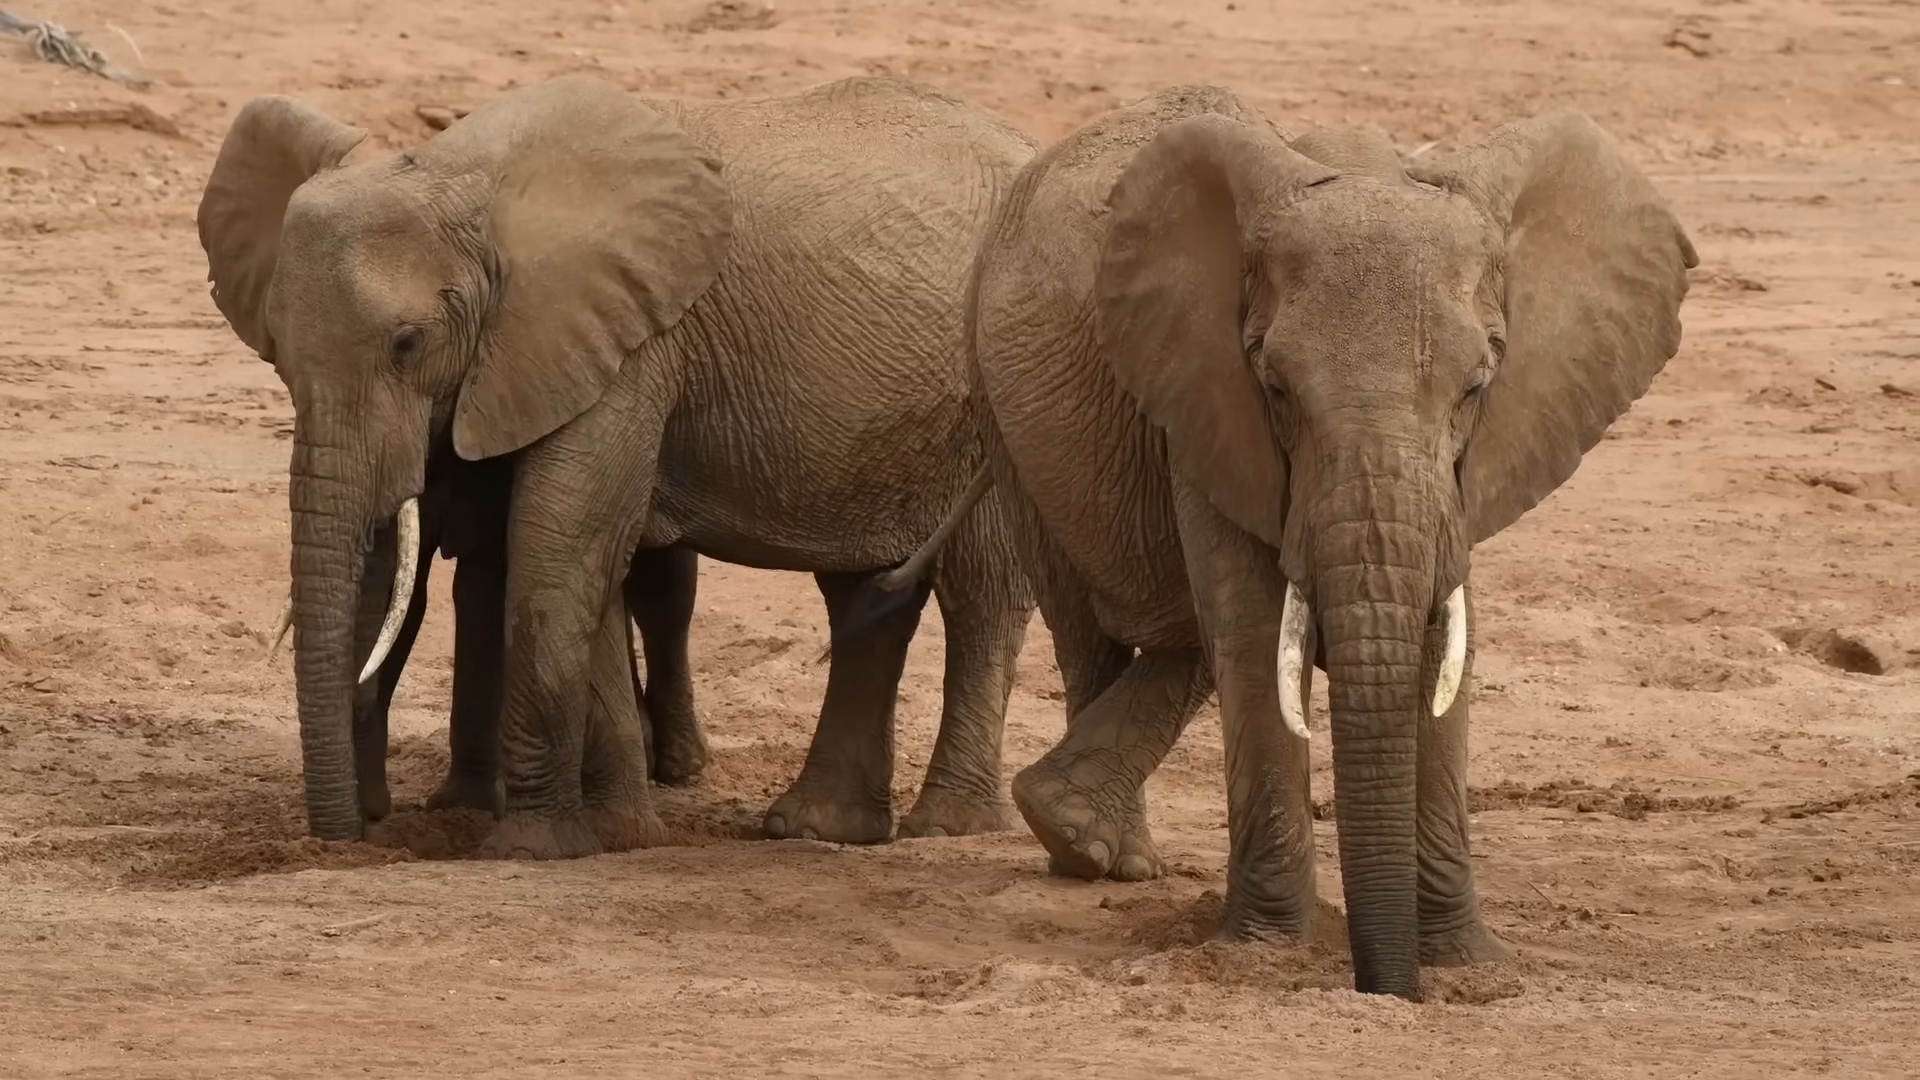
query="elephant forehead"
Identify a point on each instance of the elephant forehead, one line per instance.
(365, 243)
(1362, 236)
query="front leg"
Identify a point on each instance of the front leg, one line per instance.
(613, 779)
(1239, 593)
(476, 539)
(373, 699)
(660, 590)
(577, 506)
(1452, 931)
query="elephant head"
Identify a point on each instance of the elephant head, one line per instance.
(482, 288)
(1371, 371)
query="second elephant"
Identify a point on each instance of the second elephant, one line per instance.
(1252, 402)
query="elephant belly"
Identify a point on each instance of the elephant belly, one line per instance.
(811, 478)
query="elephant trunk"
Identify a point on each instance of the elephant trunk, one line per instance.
(327, 562)
(1373, 558)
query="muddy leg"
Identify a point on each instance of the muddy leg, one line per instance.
(985, 603)
(613, 777)
(1452, 931)
(660, 592)
(845, 791)
(373, 698)
(1083, 798)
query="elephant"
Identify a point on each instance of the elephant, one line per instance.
(463, 517)
(726, 327)
(1249, 404)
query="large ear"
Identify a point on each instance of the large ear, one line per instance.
(274, 146)
(1595, 271)
(1170, 295)
(608, 222)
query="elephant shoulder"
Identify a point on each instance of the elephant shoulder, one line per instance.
(1046, 237)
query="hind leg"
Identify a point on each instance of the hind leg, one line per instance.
(660, 591)
(985, 603)
(845, 791)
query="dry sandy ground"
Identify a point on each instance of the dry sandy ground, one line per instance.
(1697, 730)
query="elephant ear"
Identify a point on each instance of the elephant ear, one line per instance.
(275, 144)
(607, 223)
(1595, 271)
(1170, 296)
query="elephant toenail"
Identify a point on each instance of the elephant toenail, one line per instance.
(1069, 833)
(1099, 853)
(777, 827)
(809, 834)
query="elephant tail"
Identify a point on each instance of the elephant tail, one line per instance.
(885, 594)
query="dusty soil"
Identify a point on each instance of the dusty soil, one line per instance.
(1697, 729)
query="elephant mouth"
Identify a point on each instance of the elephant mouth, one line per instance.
(406, 570)
(1297, 631)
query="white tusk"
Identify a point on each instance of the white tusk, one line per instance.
(402, 587)
(280, 628)
(1453, 662)
(1293, 654)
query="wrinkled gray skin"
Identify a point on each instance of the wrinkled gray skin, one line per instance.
(731, 328)
(463, 517)
(1215, 364)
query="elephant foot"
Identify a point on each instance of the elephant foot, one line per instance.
(376, 802)
(943, 811)
(1088, 833)
(1471, 943)
(679, 752)
(806, 813)
(466, 791)
(525, 836)
(1296, 919)
(624, 826)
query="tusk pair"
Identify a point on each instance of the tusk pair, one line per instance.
(1294, 624)
(403, 578)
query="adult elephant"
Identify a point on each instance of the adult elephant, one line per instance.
(1252, 405)
(726, 327)
(463, 518)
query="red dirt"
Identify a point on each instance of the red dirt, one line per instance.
(1696, 736)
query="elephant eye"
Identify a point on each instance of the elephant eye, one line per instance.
(405, 346)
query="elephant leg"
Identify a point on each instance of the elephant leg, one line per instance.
(660, 591)
(613, 777)
(1239, 594)
(373, 699)
(580, 498)
(985, 604)
(1090, 662)
(479, 651)
(1452, 931)
(845, 791)
(1083, 799)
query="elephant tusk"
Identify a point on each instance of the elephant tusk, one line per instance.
(281, 627)
(402, 597)
(1293, 652)
(1453, 662)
